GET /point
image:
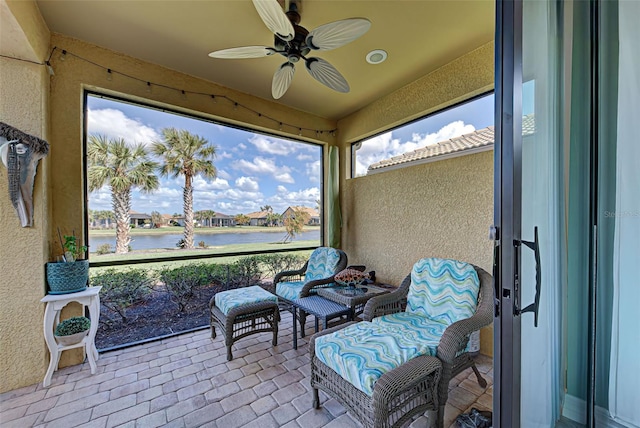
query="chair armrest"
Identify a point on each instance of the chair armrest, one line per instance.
(317, 283)
(456, 336)
(312, 341)
(385, 304)
(280, 276)
(393, 383)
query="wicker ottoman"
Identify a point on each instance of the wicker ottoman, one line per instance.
(242, 312)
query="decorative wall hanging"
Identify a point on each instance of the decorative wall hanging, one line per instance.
(20, 153)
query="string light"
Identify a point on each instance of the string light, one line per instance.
(50, 69)
(183, 93)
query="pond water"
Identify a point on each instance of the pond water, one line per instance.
(148, 242)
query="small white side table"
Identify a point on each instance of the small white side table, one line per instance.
(55, 302)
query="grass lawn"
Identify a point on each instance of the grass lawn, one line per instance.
(163, 253)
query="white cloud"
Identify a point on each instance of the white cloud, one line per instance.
(273, 146)
(384, 146)
(115, 124)
(302, 157)
(265, 166)
(247, 184)
(452, 130)
(224, 174)
(284, 199)
(224, 155)
(201, 184)
(284, 177)
(313, 171)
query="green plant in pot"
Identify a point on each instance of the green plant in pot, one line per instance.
(71, 274)
(72, 330)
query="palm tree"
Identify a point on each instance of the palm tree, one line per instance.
(242, 219)
(187, 155)
(122, 167)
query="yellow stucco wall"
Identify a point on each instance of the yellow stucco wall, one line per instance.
(24, 95)
(438, 209)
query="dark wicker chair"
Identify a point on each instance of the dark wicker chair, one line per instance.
(305, 283)
(381, 410)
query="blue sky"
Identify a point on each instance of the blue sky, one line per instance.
(255, 169)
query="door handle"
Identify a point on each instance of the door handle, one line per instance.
(535, 246)
(495, 237)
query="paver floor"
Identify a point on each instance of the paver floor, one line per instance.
(186, 381)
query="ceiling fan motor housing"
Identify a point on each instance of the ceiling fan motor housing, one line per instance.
(294, 49)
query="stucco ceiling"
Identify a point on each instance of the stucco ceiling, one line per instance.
(418, 35)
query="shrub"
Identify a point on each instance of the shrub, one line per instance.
(182, 282)
(275, 263)
(72, 325)
(181, 243)
(244, 272)
(202, 244)
(103, 249)
(121, 289)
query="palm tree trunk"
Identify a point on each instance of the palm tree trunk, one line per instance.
(188, 212)
(121, 207)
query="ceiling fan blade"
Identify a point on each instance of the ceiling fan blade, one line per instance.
(335, 34)
(243, 52)
(326, 74)
(274, 18)
(282, 79)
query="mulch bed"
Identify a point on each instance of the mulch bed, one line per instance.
(156, 317)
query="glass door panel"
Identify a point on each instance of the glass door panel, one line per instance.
(539, 298)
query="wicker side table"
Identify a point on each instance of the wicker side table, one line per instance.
(354, 298)
(323, 309)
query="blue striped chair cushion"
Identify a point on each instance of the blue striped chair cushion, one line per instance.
(443, 290)
(230, 299)
(363, 352)
(322, 264)
(289, 290)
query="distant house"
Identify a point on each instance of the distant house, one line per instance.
(220, 220)
(139, 219)
(314, 216)
(258, 218)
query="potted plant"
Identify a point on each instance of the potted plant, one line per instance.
(71, 273)
(72, 330)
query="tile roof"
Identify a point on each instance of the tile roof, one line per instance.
(482, 138)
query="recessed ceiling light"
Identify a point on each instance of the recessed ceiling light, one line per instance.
(376, 56)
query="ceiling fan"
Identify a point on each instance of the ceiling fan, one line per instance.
(295, 42)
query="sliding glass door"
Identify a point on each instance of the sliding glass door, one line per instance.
(567, 214)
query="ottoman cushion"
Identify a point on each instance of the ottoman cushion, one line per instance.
(231, 299)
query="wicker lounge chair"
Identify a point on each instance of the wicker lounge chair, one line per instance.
(421, 383)
(317, 272)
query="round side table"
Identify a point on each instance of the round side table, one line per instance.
(89, 298)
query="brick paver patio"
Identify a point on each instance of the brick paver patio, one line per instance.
(186, 381)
